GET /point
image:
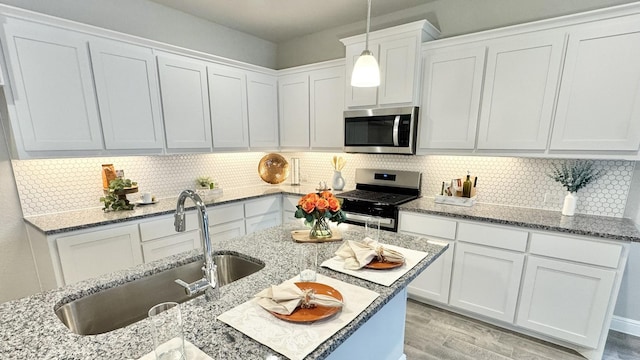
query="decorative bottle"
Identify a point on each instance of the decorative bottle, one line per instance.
(466, 187)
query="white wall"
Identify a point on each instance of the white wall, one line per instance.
(628, 306)
(18, 275)
(157, 22)
(452, 17)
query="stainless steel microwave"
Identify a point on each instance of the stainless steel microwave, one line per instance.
(381, 131)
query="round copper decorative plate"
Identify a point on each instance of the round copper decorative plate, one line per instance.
(316, 313)
(273, 168)
(383, 265)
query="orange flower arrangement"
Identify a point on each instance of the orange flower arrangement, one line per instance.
(320, 205)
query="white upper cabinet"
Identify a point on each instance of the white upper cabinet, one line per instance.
(127, 85)
(359, 96)
(326, 108)
(185, 103)
(398, 54)
(519, 90)
(599, 101)
(399, 69)
(54, 96)
(293, 99)
(262, 97)
(228, 101)
(452, 83)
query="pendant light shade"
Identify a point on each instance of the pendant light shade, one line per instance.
(366, 72)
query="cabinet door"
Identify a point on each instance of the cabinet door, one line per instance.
(228, 102)
(434, 282)
(128, 94)
(519, 90)
(262, 222)
(486, 280)
(564, 300)
(91, 254)
(599, 102)
(327, 108)
(227, 231)
(452, 83)
(54, 94)
(171, 245)
(398, 70)
(262, 96)
(293, 99)
(185, 104)
(356, 96)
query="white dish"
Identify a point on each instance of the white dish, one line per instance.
(140, 202)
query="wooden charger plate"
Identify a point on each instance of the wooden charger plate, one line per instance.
(382, 265)
(316, 313)
(302, 236)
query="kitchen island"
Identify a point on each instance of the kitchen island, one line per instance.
(30, 329)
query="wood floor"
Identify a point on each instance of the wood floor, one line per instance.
(432, 333)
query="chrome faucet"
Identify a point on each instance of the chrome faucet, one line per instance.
(209, 269)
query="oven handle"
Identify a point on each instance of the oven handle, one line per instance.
(363, 218)
(396, 126)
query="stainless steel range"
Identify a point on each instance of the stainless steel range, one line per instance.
(378, 193)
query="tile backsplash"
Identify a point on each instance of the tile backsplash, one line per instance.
(54, 185)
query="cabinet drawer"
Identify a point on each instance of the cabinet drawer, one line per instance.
(164, 226)
(227, 231)
(290, 203)
(499, 237)
(225, 213)
(576, 249)
(161, 248)
(262, 206)
(427, 225)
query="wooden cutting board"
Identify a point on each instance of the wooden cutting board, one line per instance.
(302, 236)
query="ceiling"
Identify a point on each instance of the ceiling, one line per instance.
(282, 20)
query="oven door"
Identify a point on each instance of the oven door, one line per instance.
(360, 219)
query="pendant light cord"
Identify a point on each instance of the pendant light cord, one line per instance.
(366, 41)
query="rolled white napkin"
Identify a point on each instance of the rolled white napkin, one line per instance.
(286, 297)
(357, 255)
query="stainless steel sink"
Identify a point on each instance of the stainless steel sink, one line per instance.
(125, 304)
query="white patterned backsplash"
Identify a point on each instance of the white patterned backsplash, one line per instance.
(54, 185)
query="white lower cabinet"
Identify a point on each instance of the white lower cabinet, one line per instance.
(90, 254)
(565, 300)
(289, 203)
(262, 213)
(434, 283)
(170, 245)
(486, 280)
(227, 231)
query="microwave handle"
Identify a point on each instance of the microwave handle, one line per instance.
(396, 125)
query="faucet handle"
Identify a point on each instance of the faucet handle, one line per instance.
(179, 221)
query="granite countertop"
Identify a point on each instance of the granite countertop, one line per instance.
(599, 226)
(87, 218)
(536, 219)
(29, 329)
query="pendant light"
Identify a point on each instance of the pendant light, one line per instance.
(366, 72)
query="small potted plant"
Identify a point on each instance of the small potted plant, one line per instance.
(204, 182)
(574, 175)
(115, 198)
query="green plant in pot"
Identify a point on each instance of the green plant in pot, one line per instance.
(115, 198)
(574, 175)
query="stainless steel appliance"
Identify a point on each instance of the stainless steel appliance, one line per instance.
(378, 193)
(381, 131)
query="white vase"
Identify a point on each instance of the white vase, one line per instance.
(338, 180)
(569, 206)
